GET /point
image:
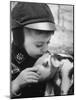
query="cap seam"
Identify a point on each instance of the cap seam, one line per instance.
(32, 21)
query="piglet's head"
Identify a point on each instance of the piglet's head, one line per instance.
(47, 66)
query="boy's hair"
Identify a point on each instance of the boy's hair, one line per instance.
(24, 14)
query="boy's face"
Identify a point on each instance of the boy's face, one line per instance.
(36, 43)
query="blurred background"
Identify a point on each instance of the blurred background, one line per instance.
(63, 39)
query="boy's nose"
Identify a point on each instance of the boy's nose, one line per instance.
(44, 49)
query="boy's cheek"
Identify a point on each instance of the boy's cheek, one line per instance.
(35, 52)
(32, 51)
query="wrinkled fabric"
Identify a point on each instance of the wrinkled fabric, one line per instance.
(20, 60)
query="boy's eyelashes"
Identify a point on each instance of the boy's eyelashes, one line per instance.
(38, 45)
(42, 44)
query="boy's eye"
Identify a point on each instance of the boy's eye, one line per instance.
(39, 45)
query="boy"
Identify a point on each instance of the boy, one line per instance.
(32, 26)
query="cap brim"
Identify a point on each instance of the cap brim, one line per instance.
(46, 26)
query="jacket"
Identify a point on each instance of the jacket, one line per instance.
(20, 60)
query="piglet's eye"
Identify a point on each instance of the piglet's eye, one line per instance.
(48, 42)
(45, 64)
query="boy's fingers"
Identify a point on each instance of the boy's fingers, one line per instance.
(33, 74)
(31, 80)
(33, 69)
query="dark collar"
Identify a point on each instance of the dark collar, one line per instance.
(20, 54)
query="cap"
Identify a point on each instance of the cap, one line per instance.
(32, 15)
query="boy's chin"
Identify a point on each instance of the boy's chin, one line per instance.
(37, 56)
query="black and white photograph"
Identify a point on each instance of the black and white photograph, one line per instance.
(41, 49)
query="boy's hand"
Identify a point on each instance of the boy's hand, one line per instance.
(27, 76)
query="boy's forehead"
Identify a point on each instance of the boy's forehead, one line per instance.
(38, 35)
(41, 39)
(35, 32)
(41, 35)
